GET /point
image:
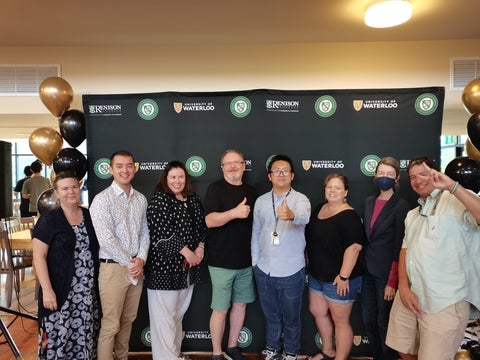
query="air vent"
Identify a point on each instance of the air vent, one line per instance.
(462, 71)
(21, 80)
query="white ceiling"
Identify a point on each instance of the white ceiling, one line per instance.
(155, 22)
(119, 22)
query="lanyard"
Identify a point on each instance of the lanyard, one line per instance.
(275, 212)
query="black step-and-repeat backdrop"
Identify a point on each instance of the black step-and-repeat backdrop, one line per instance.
(323, 131)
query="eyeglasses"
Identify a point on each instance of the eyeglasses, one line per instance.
(232, 163)
(278, 172)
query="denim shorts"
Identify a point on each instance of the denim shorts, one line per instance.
(329, 291)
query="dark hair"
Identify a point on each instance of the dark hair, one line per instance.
(122, 153)
(331, 176)
(162, 184)
(36, 167)
(280, 157)
(418, 160)
(27, 170)
(64, 175)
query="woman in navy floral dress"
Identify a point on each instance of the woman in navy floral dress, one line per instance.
(65, 252)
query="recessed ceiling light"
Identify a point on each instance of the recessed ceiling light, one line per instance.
(388, 13)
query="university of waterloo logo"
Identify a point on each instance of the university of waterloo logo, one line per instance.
(177, 106)
(357, 104)
(306, 164)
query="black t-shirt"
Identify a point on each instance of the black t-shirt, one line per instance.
(327, 240)
(24, 203)
(228, 246)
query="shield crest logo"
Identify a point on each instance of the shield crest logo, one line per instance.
(426, 104)
(357, 340)
(357, 104)
(178, 107)
(306, 164)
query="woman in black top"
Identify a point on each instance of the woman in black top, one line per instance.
(335, 238)
(177, 234)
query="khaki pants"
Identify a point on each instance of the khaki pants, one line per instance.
(120, 301)
(431, 335)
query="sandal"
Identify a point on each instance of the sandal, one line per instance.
(324, 356)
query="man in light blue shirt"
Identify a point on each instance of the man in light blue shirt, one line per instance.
(438, 267)
(278, 257)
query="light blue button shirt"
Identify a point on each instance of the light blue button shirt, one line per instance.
(442, 241)
(288, 257)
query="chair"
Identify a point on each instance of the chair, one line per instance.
(15, 224)
(27, 222)
(11, 265)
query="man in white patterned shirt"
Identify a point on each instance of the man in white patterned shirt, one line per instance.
(119, 217)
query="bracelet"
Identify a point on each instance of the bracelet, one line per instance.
(343, 278)
(454, 188)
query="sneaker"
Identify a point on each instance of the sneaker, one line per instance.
(218, 357)
(271, 354)
(288, 356)
(234, 354)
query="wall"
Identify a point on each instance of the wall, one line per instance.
(95, 70)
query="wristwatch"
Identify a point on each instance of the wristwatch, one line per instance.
(343, 278)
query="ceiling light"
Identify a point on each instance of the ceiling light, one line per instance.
(388, 13)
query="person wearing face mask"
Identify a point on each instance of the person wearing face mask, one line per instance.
(384, 227)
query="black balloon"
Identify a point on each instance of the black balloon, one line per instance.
(72, 127)
(466, 171)
(70, 159)
(473, 129)
(47, 201)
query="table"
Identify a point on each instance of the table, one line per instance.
(21, 240)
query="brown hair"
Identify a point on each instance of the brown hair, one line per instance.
(64, 175)
(390, 161)
(331, 176)
(418, 160)
(162, 184)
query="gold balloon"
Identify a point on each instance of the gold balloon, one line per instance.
(462, 354)
(45, 143)
(56, 94)
(472, 151)
(471, 96)
(52, 177)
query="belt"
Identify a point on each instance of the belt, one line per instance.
(108, 261)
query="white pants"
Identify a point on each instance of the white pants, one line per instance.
(166, 309)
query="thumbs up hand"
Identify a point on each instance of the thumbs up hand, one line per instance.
(242, 210)
(284, 212)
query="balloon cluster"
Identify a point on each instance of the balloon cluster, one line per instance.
(46, 143)
(466, 169)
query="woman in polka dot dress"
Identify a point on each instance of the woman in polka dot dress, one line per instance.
(177, 234)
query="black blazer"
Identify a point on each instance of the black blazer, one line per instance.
(385, 240)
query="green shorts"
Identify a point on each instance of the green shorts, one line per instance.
(231, 285)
